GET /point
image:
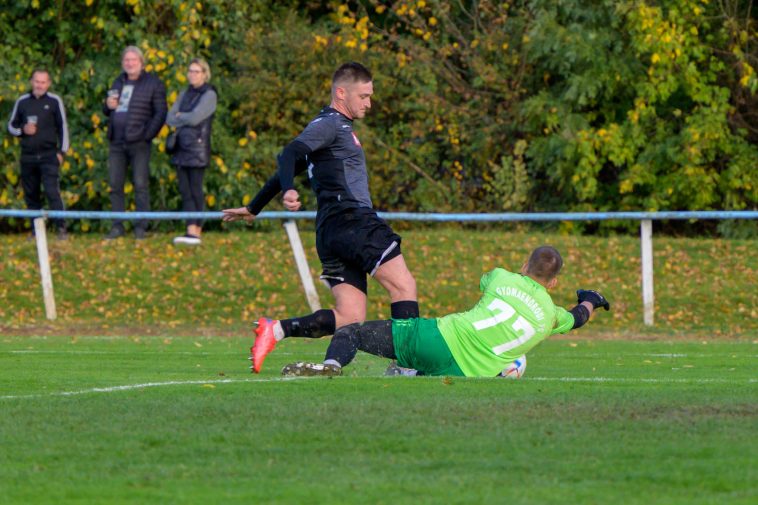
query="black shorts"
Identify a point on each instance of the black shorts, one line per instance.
(354, 243)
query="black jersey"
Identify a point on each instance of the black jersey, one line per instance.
(332, 154)
(351, 239)
(336, 162)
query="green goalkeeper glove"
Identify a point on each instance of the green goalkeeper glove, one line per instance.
(595, 298)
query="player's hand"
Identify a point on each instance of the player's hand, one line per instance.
(291, 200)
(593, 297)
(112, 102)
(237, 214)
(30, 129)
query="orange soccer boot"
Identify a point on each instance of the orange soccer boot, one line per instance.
(265, 342)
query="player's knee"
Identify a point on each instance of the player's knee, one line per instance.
(403, 288)
(399, 282)
(348, 331)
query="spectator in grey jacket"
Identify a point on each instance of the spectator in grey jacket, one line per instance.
(136, 106)
(39, 119)
(192, 115)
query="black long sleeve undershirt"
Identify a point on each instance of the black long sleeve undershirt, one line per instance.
(289, 161)
(273, 186)
(581, 316)
(269, 190)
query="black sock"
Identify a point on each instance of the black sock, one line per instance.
(343, 346)
(373, 337)
(407, 309)
(318, 324)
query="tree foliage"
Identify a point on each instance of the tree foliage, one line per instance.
(479, 106)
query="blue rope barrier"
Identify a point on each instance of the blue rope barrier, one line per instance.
(401, 216)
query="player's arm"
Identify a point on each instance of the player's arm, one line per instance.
(578, 316)
(581, 314)
(270, 189)
(319, 133)
(292, 155)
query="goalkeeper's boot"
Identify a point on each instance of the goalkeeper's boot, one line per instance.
(265, 341)
(302, 369)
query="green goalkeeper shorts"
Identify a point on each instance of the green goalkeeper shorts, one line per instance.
(419, 344)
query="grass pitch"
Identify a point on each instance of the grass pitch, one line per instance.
(181, 420)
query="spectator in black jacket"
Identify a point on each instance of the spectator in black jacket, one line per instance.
(192, 115)
(136, 105)
(39, 118)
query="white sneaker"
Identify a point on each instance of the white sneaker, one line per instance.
(187, 240)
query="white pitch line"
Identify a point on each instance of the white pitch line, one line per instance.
(630, 355)
(641, 379)
(148, 352)
(129, 387)
(145, 385)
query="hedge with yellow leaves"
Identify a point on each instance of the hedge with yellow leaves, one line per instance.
(479, 106)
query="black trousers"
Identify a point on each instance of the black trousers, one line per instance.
(191, 188)
(44, 171)
(120, 156)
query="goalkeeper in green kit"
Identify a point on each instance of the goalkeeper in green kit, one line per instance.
(514, 314)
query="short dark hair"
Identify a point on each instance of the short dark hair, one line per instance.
(544, 263)
(352, 72)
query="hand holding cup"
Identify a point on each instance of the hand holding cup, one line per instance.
(112, 100)
(30, 128)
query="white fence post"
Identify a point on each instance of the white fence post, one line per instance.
(302, 265)
(40, 234)
(648, 297)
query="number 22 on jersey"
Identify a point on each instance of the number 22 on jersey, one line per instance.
(503, 314)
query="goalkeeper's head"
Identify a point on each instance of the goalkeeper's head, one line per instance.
(544, 265)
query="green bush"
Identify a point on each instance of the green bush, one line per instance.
(479, 106)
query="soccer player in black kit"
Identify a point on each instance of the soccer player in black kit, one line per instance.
(351, 240)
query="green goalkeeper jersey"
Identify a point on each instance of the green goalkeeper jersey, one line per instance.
(514, 314)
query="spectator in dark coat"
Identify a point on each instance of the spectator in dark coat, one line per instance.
(136, 106)
(192, 115)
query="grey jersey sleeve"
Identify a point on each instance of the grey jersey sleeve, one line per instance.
(318, 134)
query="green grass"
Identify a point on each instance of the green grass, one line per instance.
(140, 393)
(703, 287)
(180, 420)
